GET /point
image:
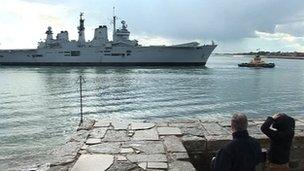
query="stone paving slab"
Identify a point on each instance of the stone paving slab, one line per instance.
(214, 128)
(80, 136)
(105, 148)
(65, 154)
(154, 146)
(116, 135)
(169, 131)
(121, 158)
(196, 131)
(185, 124)
(194, 143)
(141, 126)
(181, 166)
(225, 123)
(215, 142)
(126, 150)
(157, 165)
(146, 147)
(98, 132)
(173, 144)
(254, 129)
(92, 141)
(102, 123)
(149, 134)
(120, 125)
(86, 125)
(137, 158)
(179, 156)
(124, 166)
(143, 165)
(96, 162)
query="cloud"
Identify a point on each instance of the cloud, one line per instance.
(26, 22)
(235, 24)
(285, 41)
(294, 28)
(208, 19)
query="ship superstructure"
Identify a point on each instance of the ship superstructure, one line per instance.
(101, 51)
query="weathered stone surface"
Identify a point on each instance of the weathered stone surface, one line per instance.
(299, 126)
(297, 153)
(95, 162)
(157, 165)
(214, 128)
(98, 133)
(82, 152)
(218, 141)
(169, 131)
(124, 166)
(62, 160)
(197, 131)
(105, 148)
(174, 144)
(121, 158)
(80, 136)
(84, 147)
(93, 141)
(162, 124)
(141, 126)
(181, 165)
(86, 125)
(65, 154)
(149, 134)
(179, 156)
(225, 123)
(183, 120)
(147, 147)
(147, 158)
(115, 135)
(254, 129)
(143, 165)
(126, 150)
(102, 123)
(194, 143)
(120, 125)
(184, 124)
(57, 168)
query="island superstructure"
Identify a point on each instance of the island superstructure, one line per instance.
(101, 51)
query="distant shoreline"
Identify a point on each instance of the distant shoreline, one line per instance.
(287, 56)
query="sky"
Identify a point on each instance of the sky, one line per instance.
(235, 25)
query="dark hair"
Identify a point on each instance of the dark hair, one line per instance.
(284, 122)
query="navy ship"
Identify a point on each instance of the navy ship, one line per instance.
(102, 51)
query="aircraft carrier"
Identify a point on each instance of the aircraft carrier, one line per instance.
(102, 51)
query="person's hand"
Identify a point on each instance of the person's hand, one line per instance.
(276, 116)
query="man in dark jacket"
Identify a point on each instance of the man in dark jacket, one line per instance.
(280, 140)
(243, 152)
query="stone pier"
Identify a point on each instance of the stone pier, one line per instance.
(175, 145)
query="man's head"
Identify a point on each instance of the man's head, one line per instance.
(239, 122)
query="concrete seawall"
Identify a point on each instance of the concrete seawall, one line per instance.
(168, 145)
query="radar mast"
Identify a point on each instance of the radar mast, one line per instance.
(81, 28)
(114, 23)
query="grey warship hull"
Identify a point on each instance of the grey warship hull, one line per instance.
(157, 55)
(100, 51)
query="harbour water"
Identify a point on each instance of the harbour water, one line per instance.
(39, 106)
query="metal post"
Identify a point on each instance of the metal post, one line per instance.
(81, 80)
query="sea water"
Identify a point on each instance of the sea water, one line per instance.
(39, 106)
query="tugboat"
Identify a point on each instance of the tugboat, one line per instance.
(257, 62)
